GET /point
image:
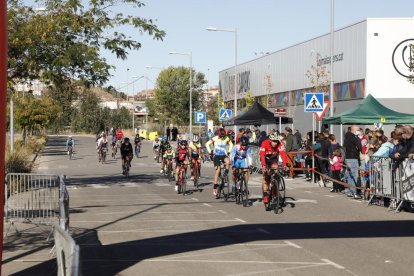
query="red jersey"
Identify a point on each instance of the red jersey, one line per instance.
(181, 155)
(269, 154)
(119, 135)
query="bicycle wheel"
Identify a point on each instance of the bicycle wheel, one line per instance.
(219, 188)
(184, 181)
(195, 174)
(282, 192)
(244, 192)
(126, 168)
(275, 195)
(170, 172)
(70, 154)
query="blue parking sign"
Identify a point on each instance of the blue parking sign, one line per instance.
(200, 117)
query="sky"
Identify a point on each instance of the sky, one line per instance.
(262, 26)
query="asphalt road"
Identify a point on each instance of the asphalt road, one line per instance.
(140, 226)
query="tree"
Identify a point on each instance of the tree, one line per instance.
(172, 100)
(214, 107)
(249, 100)
(318, 76)
(64, 41)
(34, 114)
(87, 117)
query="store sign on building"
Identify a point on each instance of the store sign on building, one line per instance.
(243, 81)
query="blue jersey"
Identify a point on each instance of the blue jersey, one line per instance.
(241, 157)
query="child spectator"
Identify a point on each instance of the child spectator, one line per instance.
(336, 167)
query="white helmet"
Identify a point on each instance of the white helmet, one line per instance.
(70, 136)
(274, 137)
(195, 138)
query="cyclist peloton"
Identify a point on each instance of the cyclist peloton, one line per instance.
(156, 146)
(269, 158)
(126, 152)
(70, 142)
(220, 142)
(195, 152)
(241, 158)
(181, 157)
(169, 155)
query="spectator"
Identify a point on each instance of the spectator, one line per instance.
(240, 134)
(291, 145)
(334, 145)
(385, 148)
(174, 133)
(353, 147)
(336, 166)
(308, 157)
(298, 136)
(168, 133)
(262, 137)
(323, 161)
(210, 134)
(407, 150)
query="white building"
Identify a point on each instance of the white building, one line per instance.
(370, 57)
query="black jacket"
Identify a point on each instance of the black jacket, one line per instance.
(352, 145)
(407, 147)
(126, 149)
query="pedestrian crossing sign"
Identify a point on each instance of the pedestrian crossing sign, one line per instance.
(225, 114)
(314, 102)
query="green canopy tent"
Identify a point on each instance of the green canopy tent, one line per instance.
(369, 111)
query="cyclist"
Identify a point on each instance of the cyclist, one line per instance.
(156, 147)
(269, 157)
(181, 157)
(169, 155)
(137, 143)
(102, 143)
(70, 142)
(195, 152)
(220, 142)
(241, 158)
(163, 145)
(119, 134)
(126, 152)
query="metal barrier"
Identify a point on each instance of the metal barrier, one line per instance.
(35, 198)
(67, 252)
(386, 181)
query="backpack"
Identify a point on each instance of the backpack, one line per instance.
(70, 143)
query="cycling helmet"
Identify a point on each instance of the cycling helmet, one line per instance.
(274, 137)
(183, 142)
(221, 132)
(126, 140)
(195, 138)
(244, 141)
(230, 131)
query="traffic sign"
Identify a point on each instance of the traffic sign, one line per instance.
(314, 102)
(280, 112)
(319, 115)
(200, 117)
(225, 114)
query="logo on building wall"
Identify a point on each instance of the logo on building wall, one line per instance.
(403, 58)
(243, 86)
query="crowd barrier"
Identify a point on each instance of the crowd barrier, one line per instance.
(394, 181)
(40, 199)
(67, 252)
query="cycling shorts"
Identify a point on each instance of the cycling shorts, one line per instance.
(218, 158)
(240, 163)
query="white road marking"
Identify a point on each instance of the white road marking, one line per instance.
(263, 231)
(206, 204)
(223, 212)
(329, 195)
(314, 201)
(309, 192)
(242, 221)
(332, 263)
(195, 199)
(292, 244)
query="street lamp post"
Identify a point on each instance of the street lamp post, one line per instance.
(191, 86)
(331, 83)
(233, 30)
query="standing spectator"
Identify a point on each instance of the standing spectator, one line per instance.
(291, 145)
(336, 167)
(174, 133)
(407, 150)
(323, 156)
(262, 137)
(210, 134)
(240, 134)
(353, 147)
(168, 133)
(298, 136)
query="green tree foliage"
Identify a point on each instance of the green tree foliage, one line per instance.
(214, 107)
(318, 75)
(34, 114)
(64, 41)
(172, 94)
(87, 117)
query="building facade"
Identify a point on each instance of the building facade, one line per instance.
(370, 57)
